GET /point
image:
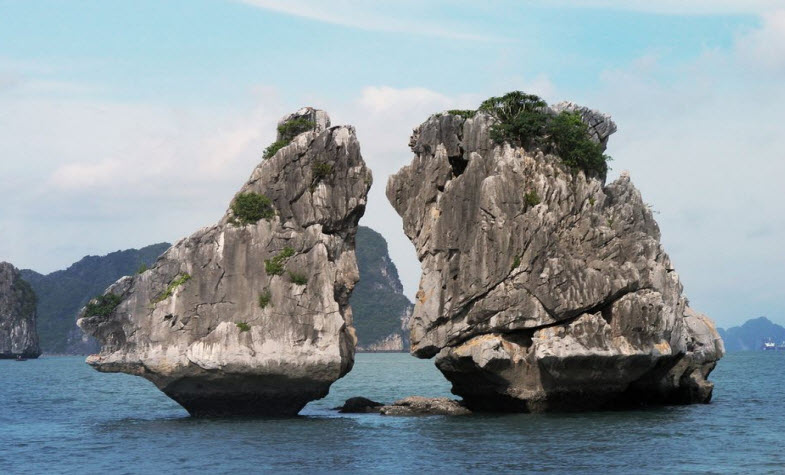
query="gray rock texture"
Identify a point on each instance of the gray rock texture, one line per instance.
(359, 405)
(18, 335)
(425, 406)
(216, 327)
(562, 302)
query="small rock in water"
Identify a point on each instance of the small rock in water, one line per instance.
(18, 334)
(359, 405)
(425, 406)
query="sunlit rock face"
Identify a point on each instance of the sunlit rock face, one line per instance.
(18, 335)
(542, 288)
(252, 319)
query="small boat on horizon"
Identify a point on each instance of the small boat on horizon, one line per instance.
(769, 345)
(20, 358)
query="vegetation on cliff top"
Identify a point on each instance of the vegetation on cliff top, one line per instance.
(525, 120)
(287, 132)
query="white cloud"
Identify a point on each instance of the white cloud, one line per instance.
(84, 177)
(673, 7)
(765, 46)
(79, 176)
(401, 16)
(706, 149)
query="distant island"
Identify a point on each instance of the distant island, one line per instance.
(61, 294)
(753, 334)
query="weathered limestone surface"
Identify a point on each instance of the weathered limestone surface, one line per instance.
(408, 406)
(210, 345)
(18, 335)
(425, 406)
(570, 303)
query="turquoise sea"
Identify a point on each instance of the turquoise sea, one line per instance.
(57, 415)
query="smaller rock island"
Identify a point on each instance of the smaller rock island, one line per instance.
(18, 334)
(251, 316)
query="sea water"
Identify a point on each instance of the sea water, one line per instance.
(57, 415)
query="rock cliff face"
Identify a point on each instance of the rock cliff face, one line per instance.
(18, 335)
(542, 288)
(246, 316)
(381, 310)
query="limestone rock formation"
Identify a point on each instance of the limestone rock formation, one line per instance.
(542, 288)
(251, 315)
(18, 335)
(425, 406)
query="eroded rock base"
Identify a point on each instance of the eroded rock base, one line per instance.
(501, 373)
(243, 396)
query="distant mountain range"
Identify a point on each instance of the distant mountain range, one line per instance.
(63, 293)
(379, 307)
(751, 335)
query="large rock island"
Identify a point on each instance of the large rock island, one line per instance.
(251, 316)
(543, 288)
(18, 335)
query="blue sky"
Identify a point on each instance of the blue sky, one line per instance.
(127, 123)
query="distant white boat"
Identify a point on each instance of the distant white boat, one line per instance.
(769, 345)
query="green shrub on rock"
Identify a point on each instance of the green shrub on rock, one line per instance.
(298, 278)
(249, 208)
(571, 141)
(320, 171)
(264, 299)
(516, 262)
(287, 132)
(293, 128)
(525, 120)
(244, 327)
(531, 199)
(465, 113)
(102, 306)
(173, 285)
(275, 265)
(273, 148)
(521, 118)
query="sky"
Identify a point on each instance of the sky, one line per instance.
(127, 123)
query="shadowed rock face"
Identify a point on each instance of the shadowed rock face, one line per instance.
(18, 336)
(567, 301)
(223, 333)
